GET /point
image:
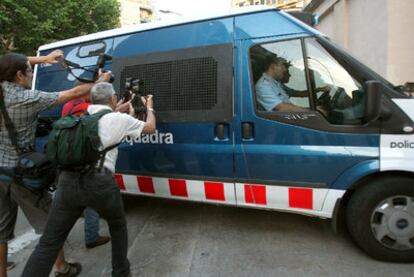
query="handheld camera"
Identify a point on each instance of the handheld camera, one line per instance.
(134, 86)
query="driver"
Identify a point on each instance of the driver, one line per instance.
(272, 94)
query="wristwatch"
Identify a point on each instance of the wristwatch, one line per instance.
(151, 109)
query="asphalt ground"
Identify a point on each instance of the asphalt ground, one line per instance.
(174, 238)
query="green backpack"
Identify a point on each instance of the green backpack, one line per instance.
(74, 141)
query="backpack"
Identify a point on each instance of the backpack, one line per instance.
(74, 141)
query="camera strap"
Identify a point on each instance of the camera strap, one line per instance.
(67, 65)
(9, 124)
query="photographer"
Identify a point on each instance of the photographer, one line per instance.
(23, 106)
(78, 107)
(95, 188)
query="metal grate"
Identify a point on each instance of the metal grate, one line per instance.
(179, 85)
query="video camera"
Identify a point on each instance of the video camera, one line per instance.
(134, 87)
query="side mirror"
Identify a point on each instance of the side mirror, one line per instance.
(374, 91)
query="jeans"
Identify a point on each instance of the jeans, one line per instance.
(91, 225)
(74, 193)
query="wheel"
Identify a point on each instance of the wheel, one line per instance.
(380, 219)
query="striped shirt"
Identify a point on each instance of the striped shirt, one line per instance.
(23, 106)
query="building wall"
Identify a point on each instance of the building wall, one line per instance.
(400, 40)
(282, 4)
(375, 32)
(136, 11)
(367, 33)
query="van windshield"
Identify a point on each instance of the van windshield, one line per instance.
(340, 53)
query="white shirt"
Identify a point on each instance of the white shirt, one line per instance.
(112, 129)
(270, 92)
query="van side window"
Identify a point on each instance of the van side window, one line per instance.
(280, 85)
(279, 76)
(344, 96)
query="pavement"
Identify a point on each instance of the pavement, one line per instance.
(177, 238)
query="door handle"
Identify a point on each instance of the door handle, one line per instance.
(221, 131)
(247, 130)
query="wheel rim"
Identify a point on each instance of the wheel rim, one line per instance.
(392, 222)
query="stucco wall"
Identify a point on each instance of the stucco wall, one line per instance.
(378, 33)
(367, 32)
(400, 41)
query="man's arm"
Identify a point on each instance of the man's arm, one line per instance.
(150, 122)
(286, 107)
(73, 93)
(50, 58)
(149, 126)
(82, 90)
(296, 93)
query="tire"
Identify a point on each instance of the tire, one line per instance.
(380, 219)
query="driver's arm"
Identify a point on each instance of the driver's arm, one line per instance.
(297, 93)
(287, 107)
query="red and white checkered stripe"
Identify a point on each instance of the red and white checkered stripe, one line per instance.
(310, 201)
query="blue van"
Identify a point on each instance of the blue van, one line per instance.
(345, 151)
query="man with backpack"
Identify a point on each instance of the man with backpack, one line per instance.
(22, 104)
(78, 107)
(92, 238)
(91, 183)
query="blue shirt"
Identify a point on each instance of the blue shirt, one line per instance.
(270, 93)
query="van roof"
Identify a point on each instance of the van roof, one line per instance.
(153, 25)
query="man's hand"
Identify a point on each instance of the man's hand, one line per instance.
(104, 77)
(52, 56)
(131, 109)
(148, 101)
(323, 88)
(322, 110)
(122, 106)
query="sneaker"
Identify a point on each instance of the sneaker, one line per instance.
(71, 270)
(10, 265)
(98, 242)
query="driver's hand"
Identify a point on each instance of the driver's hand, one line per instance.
(324, 88)
(322, 110)
(104, 77)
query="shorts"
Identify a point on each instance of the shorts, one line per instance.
(34, 206)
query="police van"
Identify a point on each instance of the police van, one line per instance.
(216, 144)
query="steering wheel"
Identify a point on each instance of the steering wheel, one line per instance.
(325, 100)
